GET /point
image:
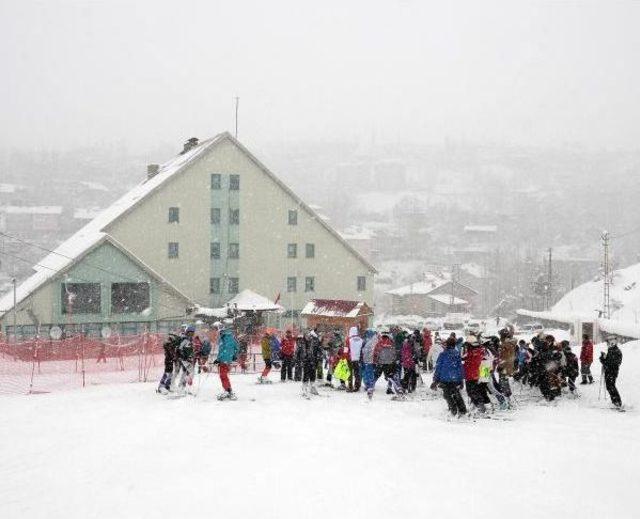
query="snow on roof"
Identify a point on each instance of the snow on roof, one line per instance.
(82, 213)
(95, 186)
(588, 297)
(8, 188)
(446, 299)
(92, 233)
(624, 329)
(425, 287)
(357, 233)
(334, 308)
(480, 228)
(89, 235)
(250, 300)
(28, 209)
(474, 269)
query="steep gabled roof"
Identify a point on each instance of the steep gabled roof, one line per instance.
(94, 232)
(301, 203)
(84, 240)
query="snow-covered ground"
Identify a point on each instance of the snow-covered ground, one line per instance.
(124, 451)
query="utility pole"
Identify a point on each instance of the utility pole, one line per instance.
(454, 278)
(606, 265)
(15, 311)
(237, 104)
(547, 298)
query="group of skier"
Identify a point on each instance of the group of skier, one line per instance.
(484, 366)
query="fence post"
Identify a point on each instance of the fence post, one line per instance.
(33, 366)
(82, 358)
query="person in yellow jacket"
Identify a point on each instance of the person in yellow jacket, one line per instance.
(265, 346)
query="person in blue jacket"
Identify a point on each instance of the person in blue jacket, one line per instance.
(227, 353)
(449, 376)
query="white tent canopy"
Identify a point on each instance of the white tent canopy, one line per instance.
(245, 301)
(248, 300)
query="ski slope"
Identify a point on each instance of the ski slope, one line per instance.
(124, 451)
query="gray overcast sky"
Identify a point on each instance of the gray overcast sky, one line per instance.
(142, 72)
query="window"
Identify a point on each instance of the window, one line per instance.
(216, 181)
(362, 283)
(234, 285)
(174, 215)
(292, 284)
(80, 298)
(234, 250)
(310, 250)
(215, 215)
(174, 249)
(234, 182)
(292, 250)
(214, 251)
(293, 217)
(129, 298)
(234, 216)
(309, 284)
(214, 285)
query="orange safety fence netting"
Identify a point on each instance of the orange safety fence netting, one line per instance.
(43, 365)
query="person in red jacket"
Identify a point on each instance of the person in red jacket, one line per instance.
(427, 342)
(586, 359)
(287, 351)
(472, 358)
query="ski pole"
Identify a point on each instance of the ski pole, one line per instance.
(601, 378)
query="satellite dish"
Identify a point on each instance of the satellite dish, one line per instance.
(105, 333)
(55, 333)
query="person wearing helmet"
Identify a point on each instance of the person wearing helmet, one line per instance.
(184, 358)
(227, 353)
(287, 350)
(307, 353)
(611, 361)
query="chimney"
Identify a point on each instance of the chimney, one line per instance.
(190, 144)
(152, 170)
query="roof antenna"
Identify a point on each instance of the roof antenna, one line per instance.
(237, 103)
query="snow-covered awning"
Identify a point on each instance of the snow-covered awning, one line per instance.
(336, 308)
(446, 299)
(248, 300)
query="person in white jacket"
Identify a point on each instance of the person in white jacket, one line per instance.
(355, 348)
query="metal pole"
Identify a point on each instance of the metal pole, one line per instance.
(15, 311)
(606, 302)
(237, 103)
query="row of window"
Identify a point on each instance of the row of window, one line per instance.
(234, 216)
(233, 251)
(234, 182)
(292, 284)
(309, 250)
(215, 285)
(216, 216)
(86, 298)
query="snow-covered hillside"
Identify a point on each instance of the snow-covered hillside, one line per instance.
(124, 451)
(587, 298)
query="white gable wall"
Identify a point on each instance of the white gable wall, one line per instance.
(264, 234)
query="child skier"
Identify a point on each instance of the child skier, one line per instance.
(169, 346)
(355, 349)
(185, 358)
(227, 353)
(307, 354)
(265, 348)
(369, 366)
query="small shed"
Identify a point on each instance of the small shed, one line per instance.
(329, 314)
